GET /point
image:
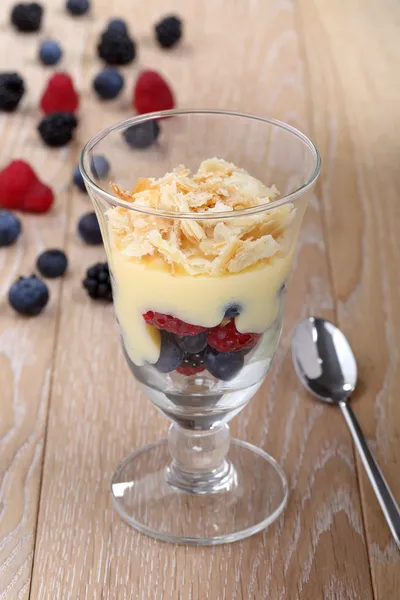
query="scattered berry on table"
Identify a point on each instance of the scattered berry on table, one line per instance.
(16, 179)
(52, 263)
(233, 311)
(50, 52)
(142, 135)
(97, 282)
(12, 89)
(168, 31)
(108, 83)
(27, 16)
(39, 198)
(118, 25)
(192, 344)
(60, 95)
(192, 364)
(57, 128)
(152, 93)
(100, 166)
(226, 338)
(77, 7)
(116, 48)
(171, 324)
(170, 354)
(223, 365)
(89, 229)
(78, 179)
(28, 295)
(10, 228)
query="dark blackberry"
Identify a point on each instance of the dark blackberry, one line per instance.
(116, 47)
(12, 89)
(27, 16)
(57, 128)
(98, 283)
(168, 31)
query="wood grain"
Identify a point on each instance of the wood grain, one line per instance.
(296, 62)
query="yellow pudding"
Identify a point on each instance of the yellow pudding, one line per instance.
(194, 269)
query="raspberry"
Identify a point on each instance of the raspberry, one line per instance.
(172, 324)
(60, 95)
(190, 370)
(15, 182)
(39, 198)
(226, 338)
(152, 93)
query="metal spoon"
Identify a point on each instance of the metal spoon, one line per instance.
(326, 366)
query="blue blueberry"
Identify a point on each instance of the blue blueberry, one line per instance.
(170, 355)
(192, 344)
(77, 7)
(108, 83)
(78, 180)
(223, 365)
(50, 52)
(28, 295)
(89, 229)
(142, 135)
(233, 311)
(100, 166)
(118, 25)
(10, 228)
(52, 263)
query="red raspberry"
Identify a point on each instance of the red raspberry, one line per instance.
(190, 370)
(152, 93)
(172, 324)
(39, 198)
(60, 95)
(15, 181)
(226, 338)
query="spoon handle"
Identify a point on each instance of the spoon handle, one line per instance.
(385, 497)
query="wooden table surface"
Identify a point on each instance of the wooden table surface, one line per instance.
(70, 409)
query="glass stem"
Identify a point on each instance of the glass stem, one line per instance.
(199, 464)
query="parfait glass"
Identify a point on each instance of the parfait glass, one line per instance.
(199, 485)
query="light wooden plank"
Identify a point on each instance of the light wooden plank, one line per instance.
(353, 51)
(245, 57)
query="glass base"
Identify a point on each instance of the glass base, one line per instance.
(252, 494)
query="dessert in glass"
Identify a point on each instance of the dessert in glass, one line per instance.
(200, 225)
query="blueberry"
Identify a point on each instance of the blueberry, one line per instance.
(50, 52)
(77, 7)
(233, 311)
(100, 166)
(108, 83)
(89, 229)
(142, 135)
(78, 180)
(28, 295)
(52, 263)
(192, 344)
(223, 365)
(170, 355)
(118, 25)
(193, 360)
(10, 228)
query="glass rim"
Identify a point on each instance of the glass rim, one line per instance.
(113, 199)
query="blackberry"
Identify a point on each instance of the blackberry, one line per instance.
(116, 48)
(57, 128)
(97, 282)
(28, 295)
(10, 228)
(168, 31)
(89, 229)
(52, 263)
(12, 89)
(142, 135)
(27, 16)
